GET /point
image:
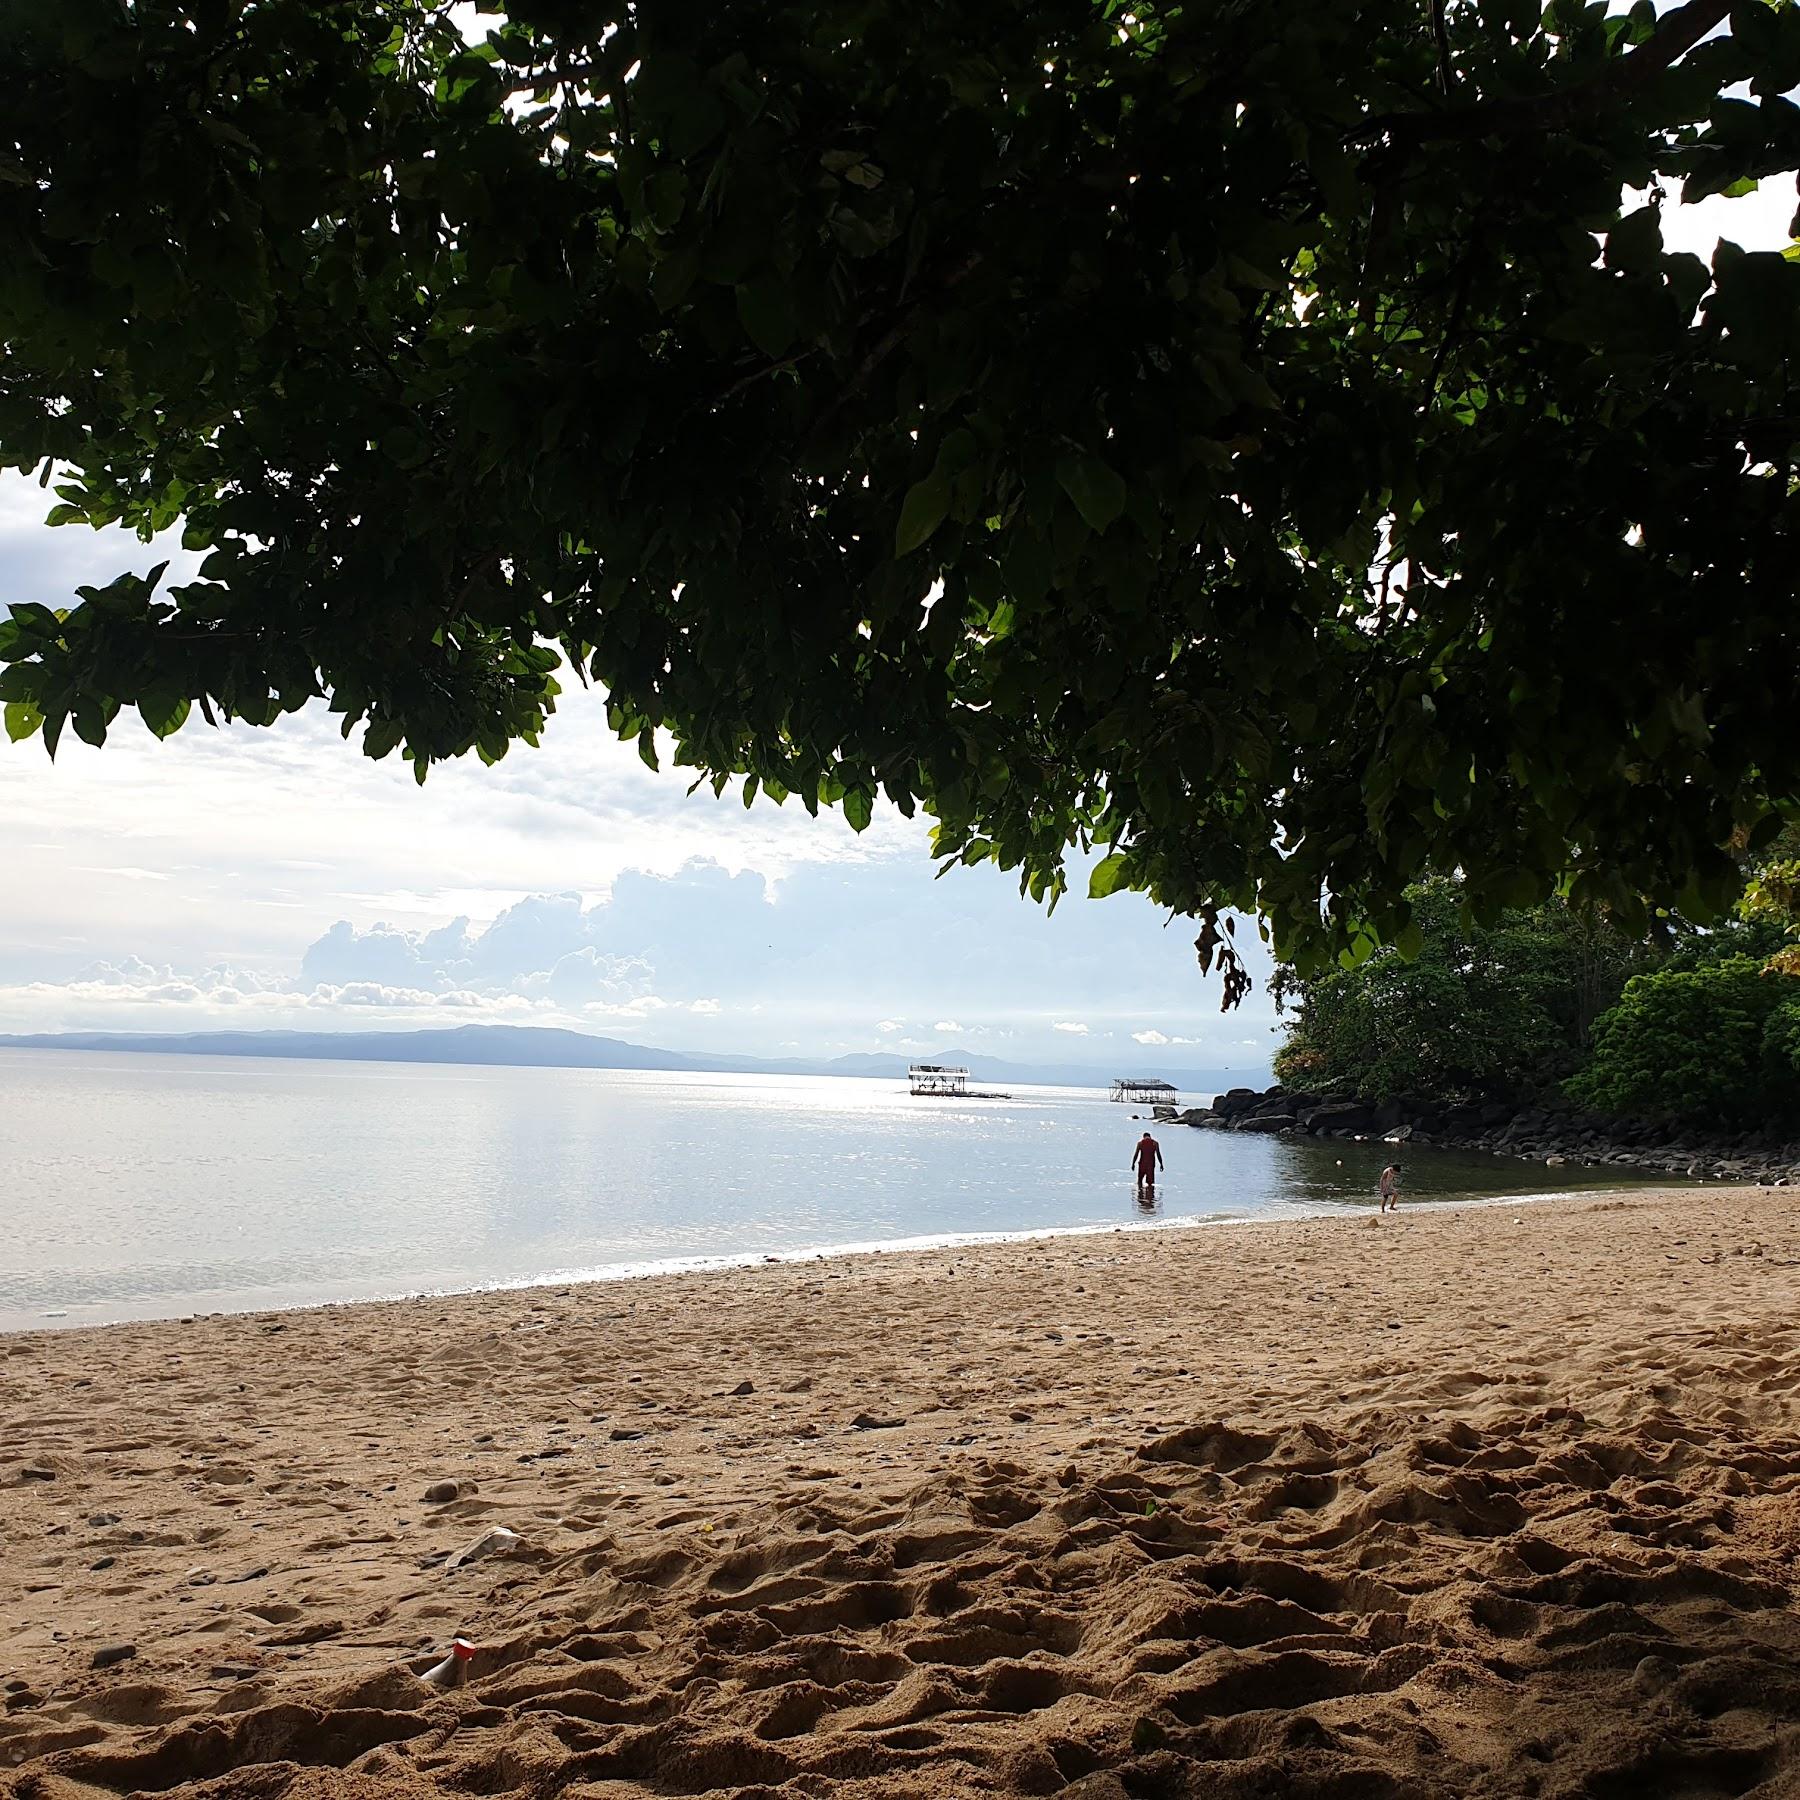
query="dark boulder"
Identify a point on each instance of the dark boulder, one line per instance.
(1237, 1100)
(1276, 1105)
(1294, 1103)
(1338, 1115)
(1267, 1124)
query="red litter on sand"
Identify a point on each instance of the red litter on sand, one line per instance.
(453, 1671)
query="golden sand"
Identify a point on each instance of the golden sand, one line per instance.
(1485, 1501)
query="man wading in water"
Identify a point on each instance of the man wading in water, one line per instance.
(1390, 1187)
(1147, 1159)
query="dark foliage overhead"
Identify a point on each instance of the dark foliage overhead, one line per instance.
(1211, 430)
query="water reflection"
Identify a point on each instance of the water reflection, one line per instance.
(149, 1185)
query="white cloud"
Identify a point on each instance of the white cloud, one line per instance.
(278, 878)
(641, 1007)
(1148, 1037)
(375, 993)
(1070, 1026)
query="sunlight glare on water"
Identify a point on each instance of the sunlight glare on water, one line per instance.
(140, 1186)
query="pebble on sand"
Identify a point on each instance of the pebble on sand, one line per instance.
(496, 1542)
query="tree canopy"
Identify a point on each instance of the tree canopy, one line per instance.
(1720, 1040)
(1272, 443)
(1677, 1024)
(1506, 1009)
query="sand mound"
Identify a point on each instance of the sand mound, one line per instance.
(1488, 1576)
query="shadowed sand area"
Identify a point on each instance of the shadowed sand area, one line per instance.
(1489, 1501)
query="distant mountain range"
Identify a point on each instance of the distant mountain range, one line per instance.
(530, 1046)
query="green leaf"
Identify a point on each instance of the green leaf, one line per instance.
(766, 311)
(858, 808)
(403, 445)
(1635, 243)
(1109, 876)
(383, 739)
(921, 512)
(163, 712)
(32, 619)
(666, 196)
(22, 720)
(89, 719)
(674, 276)
(1097, 489)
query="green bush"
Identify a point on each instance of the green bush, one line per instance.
(1781, 1048)
(1720, 1041)
(1477, 1010)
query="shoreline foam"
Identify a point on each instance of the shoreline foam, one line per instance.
(658, 1268)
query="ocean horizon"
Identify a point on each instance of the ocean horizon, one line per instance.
(137, 1186)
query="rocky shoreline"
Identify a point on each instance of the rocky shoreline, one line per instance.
(1549, 1130)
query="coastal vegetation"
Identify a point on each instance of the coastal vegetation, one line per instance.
(1274, 447)
(1677, 1023)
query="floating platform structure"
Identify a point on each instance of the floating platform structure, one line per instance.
(939, 1081)
(1143, 1091)
(939, 1078)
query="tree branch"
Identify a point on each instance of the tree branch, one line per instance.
(1457, 305)
(578, 75)
(891, 339)
(1446, 75)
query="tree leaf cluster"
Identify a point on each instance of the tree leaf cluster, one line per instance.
(1272, 444)
(1463, 1010)
(1720, 1041)
(1687, 1024)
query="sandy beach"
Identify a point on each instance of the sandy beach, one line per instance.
(1496, 1500)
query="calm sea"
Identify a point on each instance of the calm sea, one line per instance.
(149, 1186)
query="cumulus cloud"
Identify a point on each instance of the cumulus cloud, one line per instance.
(704, 956)
(128, 993)
(565, 885)
(133, 995)
(1148, 1037)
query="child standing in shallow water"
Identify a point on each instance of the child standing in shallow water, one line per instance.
(1390, 1187)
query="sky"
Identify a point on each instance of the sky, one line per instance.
(277, 878)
